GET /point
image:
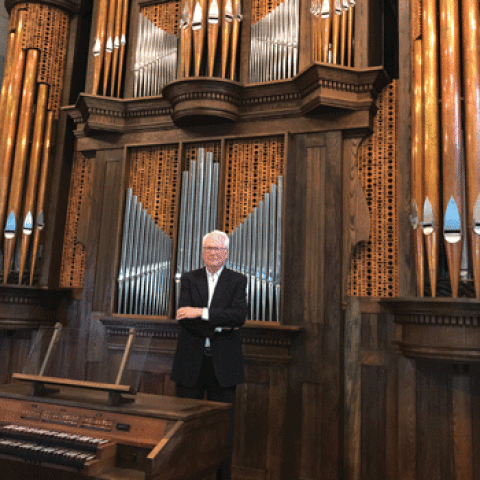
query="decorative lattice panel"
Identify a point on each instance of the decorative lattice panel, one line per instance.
(260, 8)
(73, 258)
(252, 167)
(164, 15)
(47, 31)
(374, 266)
(416, 12)
(154, 176)
(191, 152)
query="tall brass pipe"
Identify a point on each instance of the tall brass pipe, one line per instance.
(335, 35)
(351, 17)
(418, 165)
(327, 23)
(451, 131)
(189, 38)
(33, 171)
(227, 19)
(471, 82)
(6, 76)
(107, 58)
(123, 42)
(99, 46)
(21, 156)
(7, 141)
(183, 25)
(343, 36)
(237, 18)
(432, 145)
(116, 46)
(42, 187)
(198, 29)
(212, 33)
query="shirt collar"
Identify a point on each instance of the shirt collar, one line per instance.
(216, 274)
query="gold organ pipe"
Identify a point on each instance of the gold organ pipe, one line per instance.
(418, 165)
(123, 41)
(42, 187)
(212, 33)
(21, 156)
(188, 39)
(343, 36)
(7, 141)
(335, 34)
(432, 146)
(116, 46)
(99, 47)
(471, 81)
(198, 33)
(451, 130)
(227, 20)
(351, 16)
(107, 58)
(237, 18)
(33, 171)
(327, 23)
(7, 72)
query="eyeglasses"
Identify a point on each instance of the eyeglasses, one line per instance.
(213, 249)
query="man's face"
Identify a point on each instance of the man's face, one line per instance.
(214, 252)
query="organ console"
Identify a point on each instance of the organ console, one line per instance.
(83, 429)
(75, 433)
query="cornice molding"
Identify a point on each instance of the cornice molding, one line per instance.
(69, 6)
(321, 88)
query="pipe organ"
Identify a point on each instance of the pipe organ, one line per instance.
(30, 97)
(444, 160)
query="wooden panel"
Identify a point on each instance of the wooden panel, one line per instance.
(310, 466)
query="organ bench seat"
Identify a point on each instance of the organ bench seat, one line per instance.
(75, 433)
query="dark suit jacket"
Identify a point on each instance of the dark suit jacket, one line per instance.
(228, 308)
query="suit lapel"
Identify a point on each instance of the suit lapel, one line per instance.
(219, 289)
(202, 285)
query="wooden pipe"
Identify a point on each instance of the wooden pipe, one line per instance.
(212, 33)
(237, 19)
(418, 165)
(227, 20)
(432, 207)
(471, 86)
(107, 58)
(33, 171)
(188, 38)
(42, 187)
(183, 25)
(123, 42)
(452, 171)
(7, 142)
(21, 158)
(116, 47)
(99, 46)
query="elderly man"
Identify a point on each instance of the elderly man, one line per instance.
(212, 307)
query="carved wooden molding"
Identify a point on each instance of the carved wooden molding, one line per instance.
(440, 329)
(273, 340)
(28, 307)
(192, 101)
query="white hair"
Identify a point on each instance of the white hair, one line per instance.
(217, 232)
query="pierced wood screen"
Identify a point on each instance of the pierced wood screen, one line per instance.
(47, 31)
(154, 176)
(191, 152)
(416, 13)
(164, 15)
(374, 266)
(260, 8)
(252, 167)
(73, 258)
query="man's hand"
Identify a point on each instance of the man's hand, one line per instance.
(189, 312)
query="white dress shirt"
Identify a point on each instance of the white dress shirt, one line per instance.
(212, 280)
